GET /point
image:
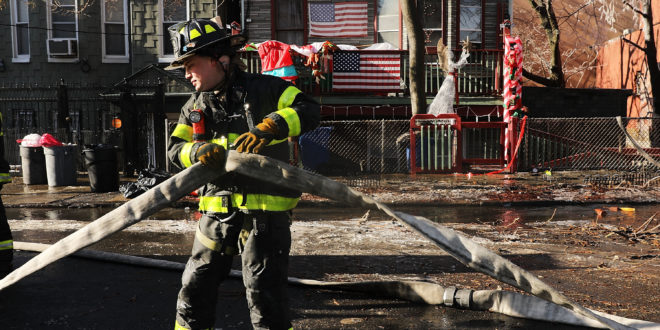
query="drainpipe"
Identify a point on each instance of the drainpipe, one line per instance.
(242, 15)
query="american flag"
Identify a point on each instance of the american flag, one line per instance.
(341, 19)
(368, 71)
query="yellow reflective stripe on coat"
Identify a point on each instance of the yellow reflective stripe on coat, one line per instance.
(5, 178)
(292, 120)
(264, 202)
(212, 204)
(7, 245)
(177, 326)
(183, 132)
(184, 154)
(287, 97)
(206, 241)
(220, 141)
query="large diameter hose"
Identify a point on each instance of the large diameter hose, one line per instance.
(129, 213)
(496, 301)
(460, 247)
(266, 169)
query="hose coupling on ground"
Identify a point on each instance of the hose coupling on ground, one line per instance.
(461, 298)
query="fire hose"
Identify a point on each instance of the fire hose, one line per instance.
(460, 247)
(497, 301)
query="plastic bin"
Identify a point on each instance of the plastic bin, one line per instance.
(61, 165)
(33, 164)
(101, 164)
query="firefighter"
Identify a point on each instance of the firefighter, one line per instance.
(252, 113)
(6, 240)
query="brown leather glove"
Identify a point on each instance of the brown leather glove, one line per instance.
(257, 138)
(211, 155)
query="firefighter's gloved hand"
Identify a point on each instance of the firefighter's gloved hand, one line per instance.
(257, 138)
(211, 155)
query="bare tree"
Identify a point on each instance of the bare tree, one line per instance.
(412, 12)
(548, 21)
(580, 28)
(643, 10)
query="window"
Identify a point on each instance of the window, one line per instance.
(20, 30)
(389, 22)
(23, 118)
(470, 21)
(289, 25)
(75, 120)
(114, 26)
(62, 43)
(172, 12)
(433, 22)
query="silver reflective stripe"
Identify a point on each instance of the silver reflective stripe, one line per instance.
(7, 245)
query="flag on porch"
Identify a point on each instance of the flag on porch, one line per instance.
(340, 19)
(365, 71)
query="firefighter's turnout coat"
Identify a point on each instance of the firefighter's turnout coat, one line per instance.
(226, 116)
(6, 240)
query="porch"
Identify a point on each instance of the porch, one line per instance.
(478, 83)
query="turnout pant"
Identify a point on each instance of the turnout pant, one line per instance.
(6, 240)
(264, 240)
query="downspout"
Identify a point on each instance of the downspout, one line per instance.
(242, 16)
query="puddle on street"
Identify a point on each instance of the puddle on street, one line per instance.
(442, 214)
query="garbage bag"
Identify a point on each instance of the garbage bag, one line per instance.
(30, 140)
(48, 140)
(130, 190)
(147, 179)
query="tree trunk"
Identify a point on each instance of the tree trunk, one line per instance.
(412, 18)
(651, 51)
(546, 14)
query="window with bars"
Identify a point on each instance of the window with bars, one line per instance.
(23, 118)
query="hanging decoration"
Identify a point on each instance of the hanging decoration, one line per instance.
(513, 66)
(276, 60)
(324, 52)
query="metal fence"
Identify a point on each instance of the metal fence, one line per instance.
(356, 147)
(589, 144)
(37, 108)
(352, 147)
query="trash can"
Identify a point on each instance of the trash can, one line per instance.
(33, 164)
(101, 164)
(61, 165)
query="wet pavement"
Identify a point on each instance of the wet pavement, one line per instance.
(76, 293)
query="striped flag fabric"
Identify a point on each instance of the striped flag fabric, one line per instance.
(366, 71)
(340, 19)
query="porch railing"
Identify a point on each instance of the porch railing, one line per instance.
(482, 75)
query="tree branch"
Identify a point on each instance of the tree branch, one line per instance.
(634, 44)
(549, 82)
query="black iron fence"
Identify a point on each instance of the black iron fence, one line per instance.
(78, 114)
